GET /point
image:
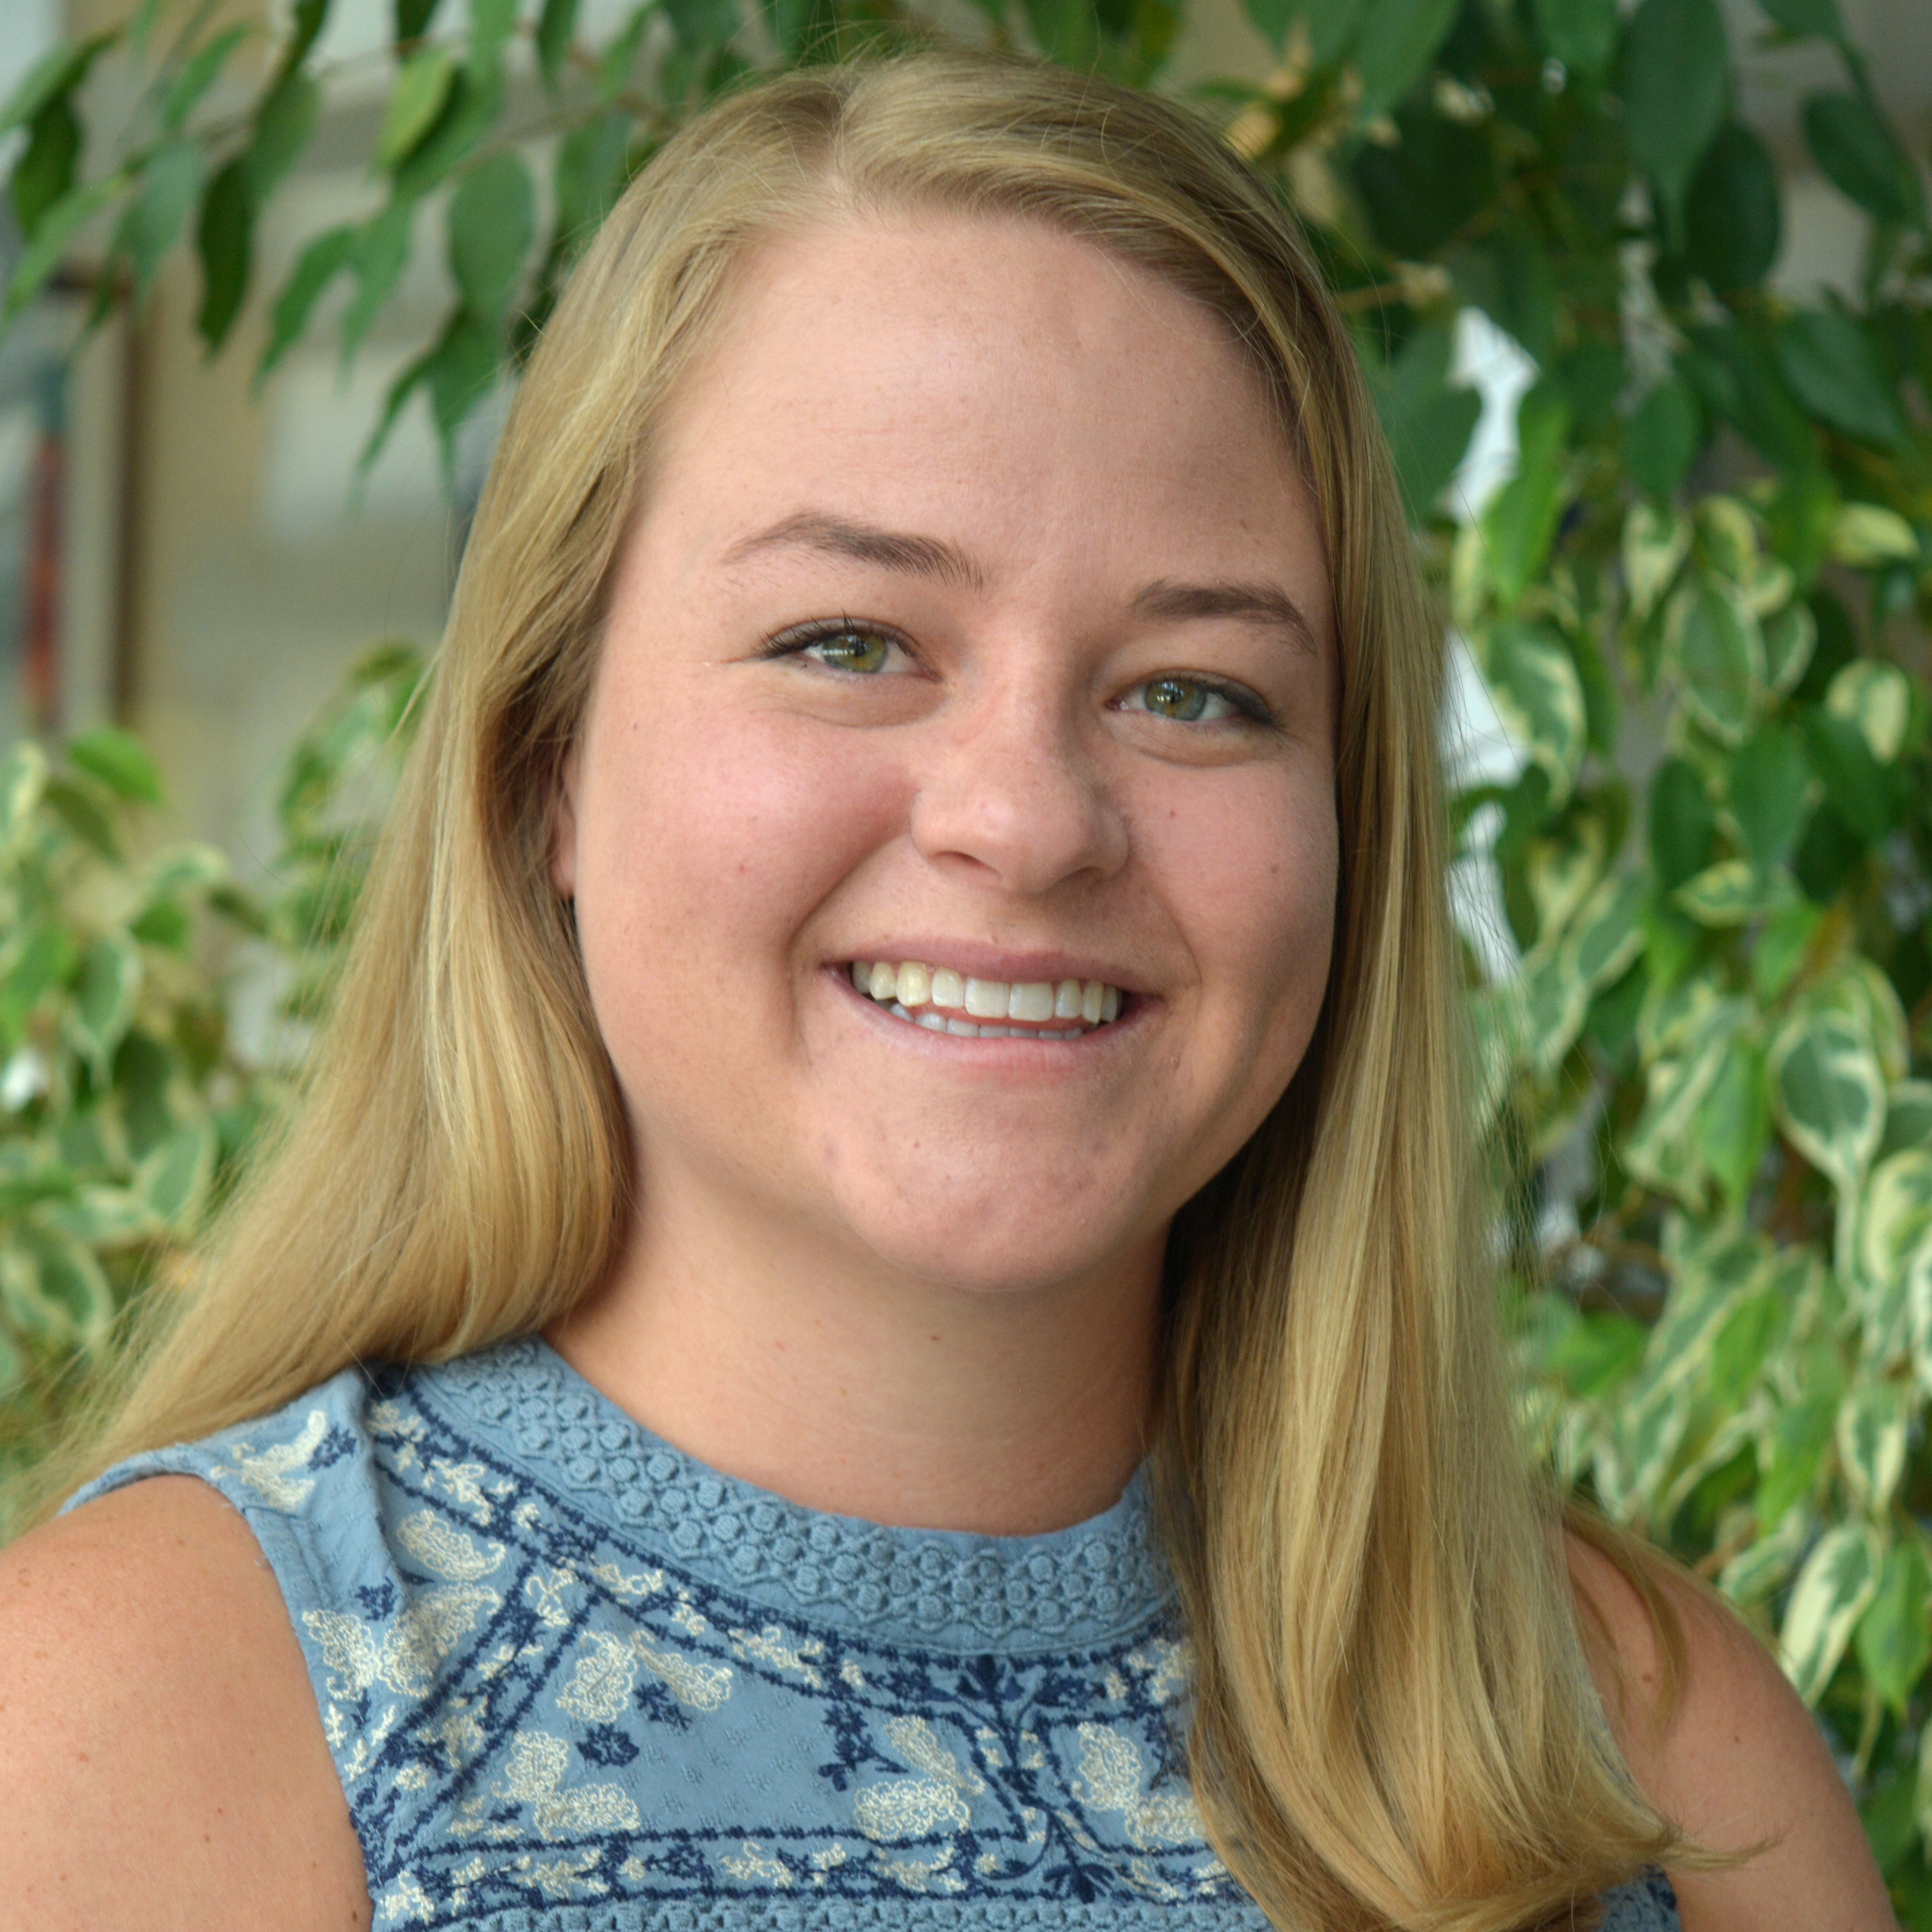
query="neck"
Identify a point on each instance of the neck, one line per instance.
(849, 1387)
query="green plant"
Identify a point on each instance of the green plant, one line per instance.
(1699, 604)
(127, 1102)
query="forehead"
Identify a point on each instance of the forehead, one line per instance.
(993, 380)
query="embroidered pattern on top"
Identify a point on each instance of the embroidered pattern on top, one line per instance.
(531, 1711)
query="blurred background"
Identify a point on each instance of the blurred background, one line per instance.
(195, 558)
(1643, 290)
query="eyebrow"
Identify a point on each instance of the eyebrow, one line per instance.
(934, 558)
(1264, 603)
(866, 543)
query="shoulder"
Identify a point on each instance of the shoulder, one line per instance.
(165, 1763)
(1718, 1741)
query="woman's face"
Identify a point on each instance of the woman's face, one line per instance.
(977, 627)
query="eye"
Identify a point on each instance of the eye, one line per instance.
(863, 649)
(1195, 700)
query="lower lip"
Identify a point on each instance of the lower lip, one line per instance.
(1031, 1046)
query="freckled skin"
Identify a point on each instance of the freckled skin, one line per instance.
(737, 827)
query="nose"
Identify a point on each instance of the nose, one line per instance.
(1008, 788)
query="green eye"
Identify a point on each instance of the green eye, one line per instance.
(851, 650)
(1179, 698)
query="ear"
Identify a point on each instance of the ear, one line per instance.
(563, 830)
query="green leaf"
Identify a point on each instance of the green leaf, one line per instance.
(23, 778)
(1770, 790)
(42, 956)
(1533, 682)
(1582, 34)
(492, 223)
(1732, 1126)
(491, 24)
(46, 169)
(555, 26)
(57, 228)
(173, 1180)
(1895, 1214)
(283, 125)
(1661, 438)
(83, 817)
(53, 1287)
(1840, 1577)
(197, 77)
(1733, 892)
(1732, 221)
(155, 217)
(1719, 652)
(1829, 1090)
(1607, 935)
(224, 238)
(1866, 535)
(319, 264)
(1660, 1151)
(55, 74)
(417, 97)
(109, 983)
(380, 250)
(1860, 155)
(1894, 1635)
(1872, 1424)
(1396, 42)
(1519, 522)
(120, 761)
(1877, 698)
(591, 163)
(1790, 636)
(1856, 785)
(1829, 361)
(1908, 1117)
(1811, 19)
(461, 372)
(412, 19)
(1428, 423)
(1677, 73)
(1682, 822)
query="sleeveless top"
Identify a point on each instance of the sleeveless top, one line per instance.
(574, 1681)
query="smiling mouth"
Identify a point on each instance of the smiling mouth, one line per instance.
(944, 1001)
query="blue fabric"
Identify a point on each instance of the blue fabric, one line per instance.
(574, 1681)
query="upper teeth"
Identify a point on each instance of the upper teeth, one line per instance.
(910, 985)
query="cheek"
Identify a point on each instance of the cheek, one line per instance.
(705, 838)
(1254, 881)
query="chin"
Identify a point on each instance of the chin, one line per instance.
(980, 1250)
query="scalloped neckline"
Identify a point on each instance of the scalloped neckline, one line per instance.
(1091, 1583)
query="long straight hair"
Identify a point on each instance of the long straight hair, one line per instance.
(1393, 1724)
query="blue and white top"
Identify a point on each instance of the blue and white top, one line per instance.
(574, 1681)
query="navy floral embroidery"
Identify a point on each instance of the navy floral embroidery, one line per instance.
(574, 1682)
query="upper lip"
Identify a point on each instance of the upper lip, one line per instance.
(995, 962)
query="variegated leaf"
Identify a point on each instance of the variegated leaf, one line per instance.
(1734, 892)
(1533, 682)
(1655, 544)
(1866, 535)
(1908, 1118)
(1872, 1424)
(1877, 698)
(1829, 1091)
(1832, 1590)
(1790, 637)
(1606, 937)
(1715, 640)
(1758, 1571)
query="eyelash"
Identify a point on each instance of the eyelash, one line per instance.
(799, 638)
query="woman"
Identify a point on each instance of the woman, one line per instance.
(909, 978)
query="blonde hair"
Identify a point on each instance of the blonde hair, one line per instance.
(1393, 1724)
